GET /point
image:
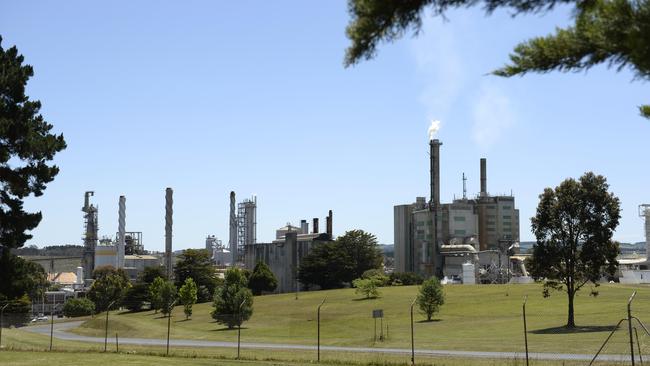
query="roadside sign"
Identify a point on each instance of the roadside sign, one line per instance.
(378, 313)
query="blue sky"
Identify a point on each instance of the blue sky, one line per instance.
(252, 96)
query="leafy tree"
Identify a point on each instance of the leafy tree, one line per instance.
(325, 266)
(378, 275)
(605, 31)
(138, 294)
(197, 264)
(229, 297)
(78, 307)
(188, 296)
(431, 297)
(168, 294)
(573, 226)
(368, 287)
(334, 264)
(262, 279)
(26, 147)
(110, 286)
(18, 310)
(155, 293)
(20, 277)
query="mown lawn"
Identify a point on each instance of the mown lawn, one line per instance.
(477, 318)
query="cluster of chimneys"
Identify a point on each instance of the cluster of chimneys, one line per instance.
(434, 154)
(304, 225)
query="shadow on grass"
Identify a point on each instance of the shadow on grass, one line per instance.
(182, 320)
(366, 298)
(429, 321)
(577, 329)
(226, 329)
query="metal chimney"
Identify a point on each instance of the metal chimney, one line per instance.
(483, 177)
(329, 223)
(121, 229)
(232, 243)
(169, 211)
(315, 225)
(304, 227)
(434, 160)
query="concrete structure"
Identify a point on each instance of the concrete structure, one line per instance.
(169, 212)
(283, 255)
(121, 231)
(232, 242)
(438, 238)
(246, 223)
(135, 264)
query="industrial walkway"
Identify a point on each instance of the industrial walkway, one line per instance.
(61, 332)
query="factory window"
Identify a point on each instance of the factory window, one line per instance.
(491, 207)
(459, 232)
(459, 218)
(507, 217)
(491, 229)
(506, 207)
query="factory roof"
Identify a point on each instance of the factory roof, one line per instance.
(62, 277)
(136, 256)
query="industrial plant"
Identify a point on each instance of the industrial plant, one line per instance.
(469, 240)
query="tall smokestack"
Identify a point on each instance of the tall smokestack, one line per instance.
(434, 153)
(315, 225)
(304, 227)
(329, 223)
(483, 177)
(121, 229)
(232, 243)
(169, 211)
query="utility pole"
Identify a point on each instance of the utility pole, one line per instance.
(412, 338)
(169, 323)
(108, 309)
(239, 328)
(319, 306)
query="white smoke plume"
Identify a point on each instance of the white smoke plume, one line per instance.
(433, 129)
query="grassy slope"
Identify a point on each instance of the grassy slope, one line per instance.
(474, 318)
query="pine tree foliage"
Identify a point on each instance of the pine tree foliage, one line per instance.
(188, 296)
(614, 32)
(431, 297)
(262, 279)
(26, 147)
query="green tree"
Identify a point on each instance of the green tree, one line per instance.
(614, 32)
(20, 277)
(229, 297)
(138, 294)
(334, 264)
(262, 279)
(78, 307)
(27, 145)
(155, 293)
(573, 226)
(110, 287)
(168, 294)
(197, 264)
(431, 297)
(188, 296)
(368, 287)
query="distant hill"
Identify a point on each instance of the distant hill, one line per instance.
(626, 248)
(67, 250)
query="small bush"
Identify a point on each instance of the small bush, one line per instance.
(405, 278)
(78, 307)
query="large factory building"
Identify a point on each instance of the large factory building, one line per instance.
(443, 239)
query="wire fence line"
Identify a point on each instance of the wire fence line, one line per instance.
(535, 331)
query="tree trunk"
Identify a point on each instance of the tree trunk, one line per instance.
(571, 319)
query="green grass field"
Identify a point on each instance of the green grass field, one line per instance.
(477, 318)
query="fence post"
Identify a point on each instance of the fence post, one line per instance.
(108, 309)
(2, 313)
(412, 338)
(169, 323)
(318, 341)
(629, 326)
(51, 327)
(525, 328)
(239, 328)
